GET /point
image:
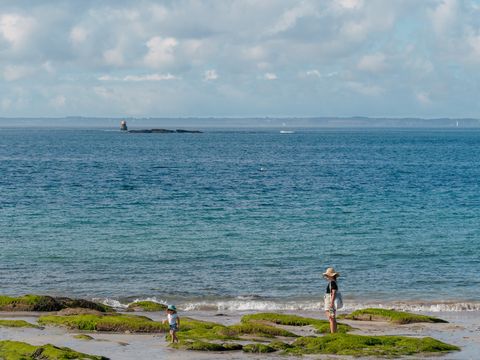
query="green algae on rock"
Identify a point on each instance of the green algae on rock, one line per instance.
(18, 323)
(360, 345)
(210, 336)
(279, 345)
(47, 303)
(15, 350)
(322, 326)
(199, 345)
(397, 317)
(83, 337)
(258, 348)
(29, 303)
(259, 329)
(148, 306)
(113, 322)
(191, 329)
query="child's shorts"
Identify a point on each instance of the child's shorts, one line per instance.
(173, 327)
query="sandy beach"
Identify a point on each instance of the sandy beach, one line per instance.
(462, 330)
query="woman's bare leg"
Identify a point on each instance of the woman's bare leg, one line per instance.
(333, 322)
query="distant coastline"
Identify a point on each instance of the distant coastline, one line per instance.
(244, 122)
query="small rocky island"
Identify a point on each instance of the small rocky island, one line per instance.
(124, 127)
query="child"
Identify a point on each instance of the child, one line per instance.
(174, 322)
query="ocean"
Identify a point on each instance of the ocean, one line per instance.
(242, 219)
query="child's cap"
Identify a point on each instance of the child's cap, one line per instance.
(171, 307)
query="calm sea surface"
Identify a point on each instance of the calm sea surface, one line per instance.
(241, 214)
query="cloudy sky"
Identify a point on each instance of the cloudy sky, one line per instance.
(240, 58)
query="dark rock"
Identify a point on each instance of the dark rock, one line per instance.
(79, 311)
(82, 303)
(47, 303)
(182, 131)
(163, 131)
(151, 131)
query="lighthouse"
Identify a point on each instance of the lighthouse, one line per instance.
(123, 125)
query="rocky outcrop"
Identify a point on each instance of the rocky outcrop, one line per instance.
(164, 131)
(47, 303)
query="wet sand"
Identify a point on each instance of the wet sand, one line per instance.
(462, 330)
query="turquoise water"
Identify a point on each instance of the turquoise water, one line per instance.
(241, 215)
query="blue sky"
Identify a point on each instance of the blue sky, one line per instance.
(240, 58)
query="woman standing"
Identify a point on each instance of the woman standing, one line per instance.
(330, 294)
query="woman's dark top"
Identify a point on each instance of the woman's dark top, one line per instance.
(332, 285)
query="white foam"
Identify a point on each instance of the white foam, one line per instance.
(119, 305)
(152, 299)
(265, 305)
(247, 303)
(254, 305)
(111, 302)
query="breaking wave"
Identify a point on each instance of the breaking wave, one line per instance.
(252, 303)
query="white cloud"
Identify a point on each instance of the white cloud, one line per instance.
(255, 53)
(420, 65)
(423, 98)
(372, 63)
(137, 78)
(290, 17)
(321, 48)
(16, 29)
(78, 35)
(365, 89)
(317, 74)
(158, 12)
(16, 72)
(160, 51)
(210, 75)
(350, 4)
(444, 16)
(473, 41)
(314, 73)
(58, 101)
(48, 67)
(114, 57)
(103, 92)
(270, 76)
(6, 104)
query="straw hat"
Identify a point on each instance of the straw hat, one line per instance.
(331, 272)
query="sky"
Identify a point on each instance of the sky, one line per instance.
(232, 58)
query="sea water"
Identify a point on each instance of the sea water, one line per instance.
(242, 219)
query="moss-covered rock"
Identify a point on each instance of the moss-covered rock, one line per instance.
(359, 345)
(191, 329)
(397, 317)
(79, 311)
(258, 348)
(47, 303)
(113, 323)
(322, 326)
(259, 329)
(83, 337)
(17, 323)
(210, 336)
(83, 304)
(15, 350)
(279, 345)
(199, 345)
(148, 306)
(29, 303)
